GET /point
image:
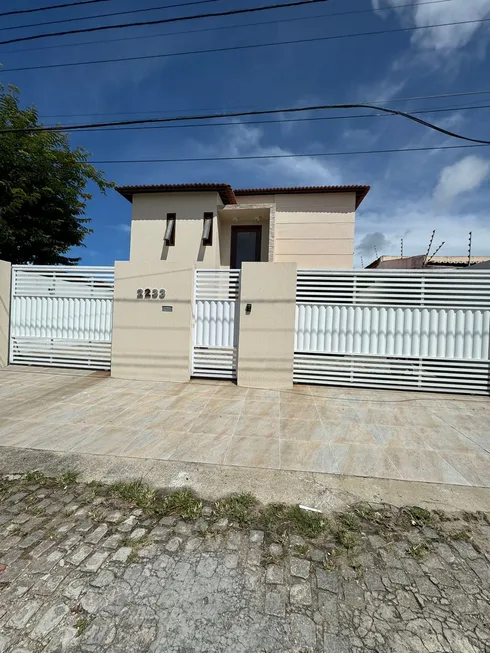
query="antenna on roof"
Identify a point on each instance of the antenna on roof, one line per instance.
(469, 251)
(443, 243)
(428, 249)
(376, 251)
(401, 249)
(362, 262)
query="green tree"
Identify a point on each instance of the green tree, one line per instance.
(42, 189)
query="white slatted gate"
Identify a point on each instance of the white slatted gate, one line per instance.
(420, 330)
(216, 303)
(61, 316)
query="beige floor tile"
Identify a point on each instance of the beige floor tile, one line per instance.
(171, 420)
(466, 423)
(474, 468)
(59, 412)
(384, 416)
(108, 440)
(151, 403)
(223, 406)
(446, 438)
(62, 437)
(481, 438)
(418, 417)
(100, 414)
(202, 449)
(302, 430)
(261, 408)
(149, 444)
(199, 389)
(253, 452)
(136, 419)
(230, 391)
(252, 426)
(307, 457)
(23, 433)
(299, 410)
(298, 390)
(401, 437)
(348, 433)
(190, 403)
(214, 424)
(257, 394)
(424, 465)
(364, 460)
(334, 411)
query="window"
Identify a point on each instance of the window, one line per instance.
(207, 229)
(169, 238)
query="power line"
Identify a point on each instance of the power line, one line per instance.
(285, 156)
(117, 13)
(175, 19)
(240, 47)
(67, 4)
(286, 120)
(390, 101)
(228, 27)
(242, 114)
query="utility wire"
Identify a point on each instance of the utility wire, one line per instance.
(391, 101)
(239, 47)
(117, 13)
(176, 19)
(67, 4)
(241, 114)
(228, 27)
(283, 120)
(286, 156)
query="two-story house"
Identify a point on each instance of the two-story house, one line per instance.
(221, 227)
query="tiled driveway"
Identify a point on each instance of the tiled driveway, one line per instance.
(397, 435)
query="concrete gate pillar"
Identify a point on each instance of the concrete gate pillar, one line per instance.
(266, 329)
(5, 282)
(152, 322)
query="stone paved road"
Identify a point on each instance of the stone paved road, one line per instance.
(84, 572)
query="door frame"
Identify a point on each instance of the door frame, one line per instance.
(233, 245)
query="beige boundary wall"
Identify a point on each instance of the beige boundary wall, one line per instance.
(149, 343)
(5, 281)
(266, 336)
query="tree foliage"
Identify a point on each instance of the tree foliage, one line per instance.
(42, 189)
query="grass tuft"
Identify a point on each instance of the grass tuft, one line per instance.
(135, 491)
(347, 539)
(82, 624)
(181, 502)
(240, 508)
(281, 518)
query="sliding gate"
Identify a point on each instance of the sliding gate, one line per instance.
(419, 330)
(61, 316)
(215, 331)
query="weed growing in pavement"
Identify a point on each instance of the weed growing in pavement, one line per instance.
(184, 503)
(461, 536)
(135, 546)
(36, 477)
(82, 624)
(418, 551)
(136, 492)
(347, 539)
(281, 518)
(240, 508)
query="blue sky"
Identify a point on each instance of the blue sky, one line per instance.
(412, 193)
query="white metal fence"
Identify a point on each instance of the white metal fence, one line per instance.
(426, 330)
(215, 323)
(61, 316)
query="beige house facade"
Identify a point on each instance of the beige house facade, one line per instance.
(217, 226)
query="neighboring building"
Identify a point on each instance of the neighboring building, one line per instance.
(418, 262)
(218, 226)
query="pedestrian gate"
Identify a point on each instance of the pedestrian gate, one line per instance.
(216, 303)
(420, 330)
(61, 316)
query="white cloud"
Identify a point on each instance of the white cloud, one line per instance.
(246, 140)
(450, 37)
(124, 227)
(460, 177)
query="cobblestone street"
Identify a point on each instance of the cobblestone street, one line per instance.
(83, 568)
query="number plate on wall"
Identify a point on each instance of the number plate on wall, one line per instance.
(150, 293)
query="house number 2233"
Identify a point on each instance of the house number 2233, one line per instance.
(150, 293)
